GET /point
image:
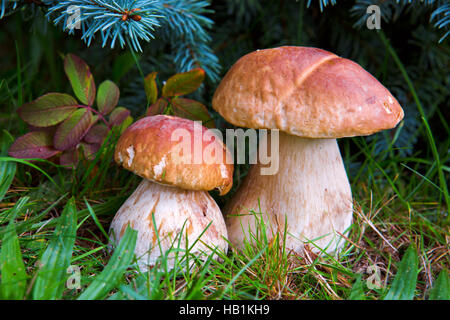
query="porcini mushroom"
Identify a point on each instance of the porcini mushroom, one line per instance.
(171, 207)
(313, 97)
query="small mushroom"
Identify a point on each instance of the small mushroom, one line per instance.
(313, 97)
(171, 207)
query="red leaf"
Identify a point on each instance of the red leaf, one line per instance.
(118, 115)
(37, 144)
(73, 129)
(193, 110)
(69, 158)
(89, 149)
(157, 108)
(183, 83)
(80, 78)
(96, 134)
(48, 110)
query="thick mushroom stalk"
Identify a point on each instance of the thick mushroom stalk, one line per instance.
(310, 193)
(171, 218)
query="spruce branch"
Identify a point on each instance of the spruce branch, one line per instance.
(442, 15)
(187, 18)
(322, 3)
(190, 55)
(118, 20)
(9, 7)
(185, 29)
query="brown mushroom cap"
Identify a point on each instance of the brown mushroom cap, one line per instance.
(146, 148)
(306, 92)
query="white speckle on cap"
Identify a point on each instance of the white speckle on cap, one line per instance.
(386, 107)
(223, 171)
(120, 157)
(359, 108)
(130, 151)
(390, 100)
(259, 118)
(158, 169)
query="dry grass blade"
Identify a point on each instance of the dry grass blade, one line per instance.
(367, 220)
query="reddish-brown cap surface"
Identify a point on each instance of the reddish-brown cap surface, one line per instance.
(306, 92)
(176, 151)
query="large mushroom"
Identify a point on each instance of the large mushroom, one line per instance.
(313, 97)
(171, 208)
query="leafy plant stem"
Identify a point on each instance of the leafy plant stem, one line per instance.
(99, 115)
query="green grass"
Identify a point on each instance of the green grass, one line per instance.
(402, 238)
(52, 218)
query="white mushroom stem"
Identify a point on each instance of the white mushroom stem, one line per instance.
(169, 217)
(310, 192)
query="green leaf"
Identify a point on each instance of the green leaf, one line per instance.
(73, 129)
(13, 275)
(159, 107)
(48, 110)
(118, 116)
(51, 277)
(193, 110)
(36, 144)
(405, 280)
(126, 123)
(112, 273)
(80, 78)
(7, 169)
(94, 119)
(107, 97)
(357, 292)
(441, 287)
(183, 83)
(122, 65)
(151, 89)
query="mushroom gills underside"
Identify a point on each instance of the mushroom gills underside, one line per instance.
(168, 217)
(310, 193)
